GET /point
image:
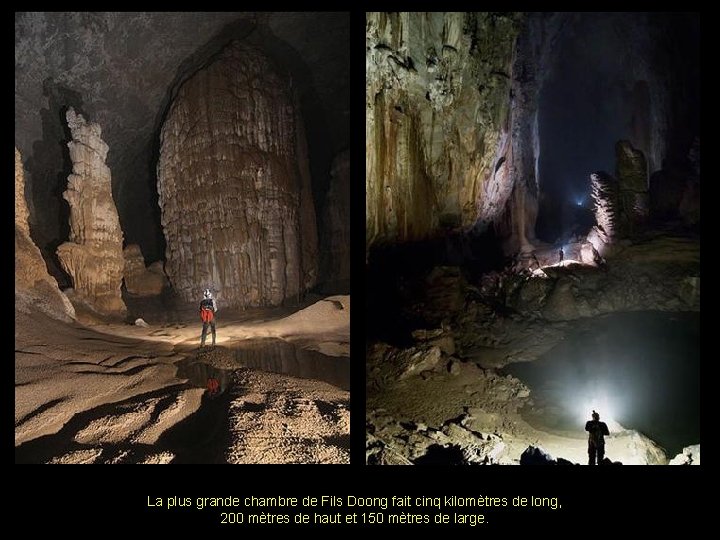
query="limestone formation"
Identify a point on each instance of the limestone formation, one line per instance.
(336, 225)
(34, 288)
(234, 185)
(139, 280)
(632, 175)
(605, 196)
(93, 255)
(436, 121)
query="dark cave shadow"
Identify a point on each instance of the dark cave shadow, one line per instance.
(395, 278)
(442, 455)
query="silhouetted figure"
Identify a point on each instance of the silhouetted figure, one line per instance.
(596, 439)
(208, 307)
(562, 256)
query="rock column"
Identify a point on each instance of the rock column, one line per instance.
(93, 257)
(234, 185)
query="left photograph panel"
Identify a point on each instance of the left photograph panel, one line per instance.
(182, 238)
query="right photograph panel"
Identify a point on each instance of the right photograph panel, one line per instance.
(533, 238)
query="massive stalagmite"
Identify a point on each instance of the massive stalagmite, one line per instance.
(234, 185)
(93, 257)
(34, 288)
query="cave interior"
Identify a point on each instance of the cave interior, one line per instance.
(575, 257)
(164, 159)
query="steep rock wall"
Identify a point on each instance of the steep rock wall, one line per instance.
(437, 121)
(234, 186)
(93, 257)
(34, 288)
(335, 238)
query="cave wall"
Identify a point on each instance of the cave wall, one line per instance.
(34, 288)
(122, 68)
(437, 122)
(335, 234)
(234, 185)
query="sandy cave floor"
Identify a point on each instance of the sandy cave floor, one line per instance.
(113, 393)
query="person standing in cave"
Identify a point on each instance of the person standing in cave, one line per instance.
(562, 256)
(596, 439)
(208, 308)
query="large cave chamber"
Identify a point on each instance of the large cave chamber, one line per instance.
(532, 237)
(161, 160)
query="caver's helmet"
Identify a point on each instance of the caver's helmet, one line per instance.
(207, 293)
(595, 415)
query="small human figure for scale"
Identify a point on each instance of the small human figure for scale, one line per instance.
(596, 439)
(208, 308)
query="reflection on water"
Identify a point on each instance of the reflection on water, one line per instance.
(204, 375)
(272, 355)
(279, 356)
(641, 369)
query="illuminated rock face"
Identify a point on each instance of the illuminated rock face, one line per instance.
(93, 257)
(604, 193)
(438, 149)
(234, 185)
(34, 288)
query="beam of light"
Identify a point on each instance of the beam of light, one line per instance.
(606, 406)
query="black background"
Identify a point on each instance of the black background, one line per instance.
(607, 501)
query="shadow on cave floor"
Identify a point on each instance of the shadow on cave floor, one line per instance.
(200, 438)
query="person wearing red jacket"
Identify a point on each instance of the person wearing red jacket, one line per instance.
(208, 308)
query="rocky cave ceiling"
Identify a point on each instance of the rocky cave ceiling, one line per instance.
(121, 71)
